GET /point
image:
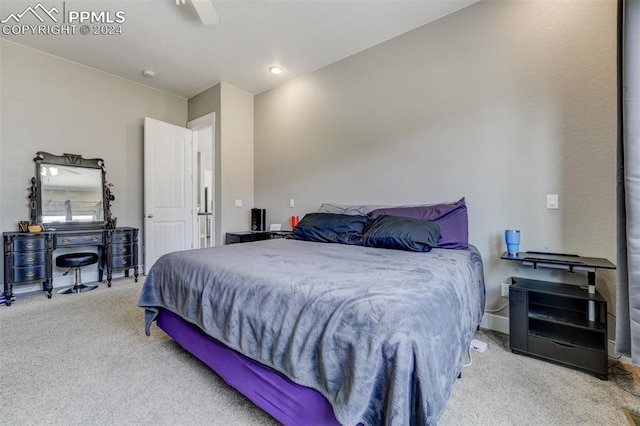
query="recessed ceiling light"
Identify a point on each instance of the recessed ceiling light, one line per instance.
(275, 70)
(148, 73)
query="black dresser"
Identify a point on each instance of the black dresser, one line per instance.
(251, 236)
(28, 257)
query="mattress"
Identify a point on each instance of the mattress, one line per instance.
(380, 334)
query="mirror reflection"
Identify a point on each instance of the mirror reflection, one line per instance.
(71, 194)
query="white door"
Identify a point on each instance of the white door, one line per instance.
(168, 190)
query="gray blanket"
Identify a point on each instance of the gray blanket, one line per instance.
(382, 334)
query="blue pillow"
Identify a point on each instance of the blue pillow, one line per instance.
(331, 228)
(402, 233)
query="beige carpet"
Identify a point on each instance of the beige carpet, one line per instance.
(84, 360)
(500, 388)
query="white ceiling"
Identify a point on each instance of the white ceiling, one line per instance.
(188, 57)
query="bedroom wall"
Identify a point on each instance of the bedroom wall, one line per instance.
(237, 158)
(501, 102)
(54, 105)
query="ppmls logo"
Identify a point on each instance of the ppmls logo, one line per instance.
(16, 17)
(96, 22)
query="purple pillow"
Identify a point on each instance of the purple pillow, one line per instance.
(451, 217)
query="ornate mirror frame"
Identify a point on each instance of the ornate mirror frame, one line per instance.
(43, 159)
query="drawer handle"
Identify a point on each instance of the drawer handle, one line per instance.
(30, 274)
(29, 245)
(94, 238)
(123, 250)
(123, 239)
(124, 261)
(564, 345)
(30, 259)
(65, 241)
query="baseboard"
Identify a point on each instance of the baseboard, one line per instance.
(612, 354)
(495, 323)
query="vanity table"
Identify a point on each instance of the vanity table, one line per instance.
(70, 199)
(28, 257)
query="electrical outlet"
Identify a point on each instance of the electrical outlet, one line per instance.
(504, 290)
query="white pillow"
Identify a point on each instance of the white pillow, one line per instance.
(350, 209)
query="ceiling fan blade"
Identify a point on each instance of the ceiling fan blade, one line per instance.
(206, 11)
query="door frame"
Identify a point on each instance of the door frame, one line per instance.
(194, 125)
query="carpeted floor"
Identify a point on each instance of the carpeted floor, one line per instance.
(85, 360)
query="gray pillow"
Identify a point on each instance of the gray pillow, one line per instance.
(350, 209)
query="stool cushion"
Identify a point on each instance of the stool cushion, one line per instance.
(72, 260)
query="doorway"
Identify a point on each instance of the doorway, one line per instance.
(203, 138)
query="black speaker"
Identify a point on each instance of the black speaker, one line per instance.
(258, 219)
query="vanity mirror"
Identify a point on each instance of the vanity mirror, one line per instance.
(70, 199)
(70, 192)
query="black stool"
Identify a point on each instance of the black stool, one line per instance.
(77, 260)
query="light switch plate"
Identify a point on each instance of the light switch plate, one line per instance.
(238, 203)
(552, 201)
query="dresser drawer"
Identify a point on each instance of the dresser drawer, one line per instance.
(573, 355)
(121, 249)
(30, 273)
(121, 262)
(121, 238)
(29, 244)
(70, 240)
(28, 259)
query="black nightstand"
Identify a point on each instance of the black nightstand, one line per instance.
(250, 236)
(560, 322)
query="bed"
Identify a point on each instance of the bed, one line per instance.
(324, 333)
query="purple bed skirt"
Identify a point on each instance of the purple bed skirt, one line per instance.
(287, 402)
